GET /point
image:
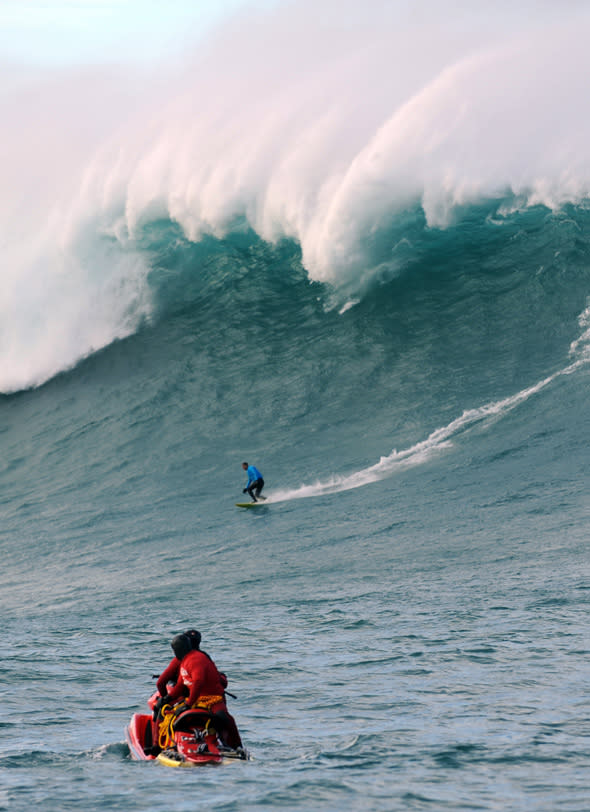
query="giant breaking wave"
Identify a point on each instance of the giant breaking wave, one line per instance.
(353, 133)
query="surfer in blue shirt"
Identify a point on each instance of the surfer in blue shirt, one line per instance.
(255, 482)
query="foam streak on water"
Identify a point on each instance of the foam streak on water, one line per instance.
(442, 438)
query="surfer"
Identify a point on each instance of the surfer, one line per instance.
(255, 482)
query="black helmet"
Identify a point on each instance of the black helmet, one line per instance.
(181, 645)
(195, 637)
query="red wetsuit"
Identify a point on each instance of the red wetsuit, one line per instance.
(199, 675)
(169, 674)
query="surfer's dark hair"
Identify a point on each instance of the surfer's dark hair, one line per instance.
(244, 463)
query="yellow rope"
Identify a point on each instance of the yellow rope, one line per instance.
(207, 702)
(166, 729)
(165, 732)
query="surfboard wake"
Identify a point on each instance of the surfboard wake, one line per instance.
(441, 439)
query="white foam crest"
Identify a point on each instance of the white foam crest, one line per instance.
(580, 348)
(343, 131)
(68, 289)
(71, 305)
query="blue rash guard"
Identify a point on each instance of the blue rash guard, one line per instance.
(253, 475)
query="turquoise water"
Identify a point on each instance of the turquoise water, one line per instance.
(405, 623)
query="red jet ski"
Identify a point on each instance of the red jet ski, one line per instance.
(194, 739)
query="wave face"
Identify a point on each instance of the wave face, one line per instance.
(485, 315)
(374, 133)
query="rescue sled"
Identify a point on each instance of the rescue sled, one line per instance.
(194, 738)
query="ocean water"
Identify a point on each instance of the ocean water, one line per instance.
(391, 319)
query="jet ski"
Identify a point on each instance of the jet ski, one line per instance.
(192, 738)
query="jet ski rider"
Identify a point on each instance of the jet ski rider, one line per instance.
(199, 684)
(170, 673)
